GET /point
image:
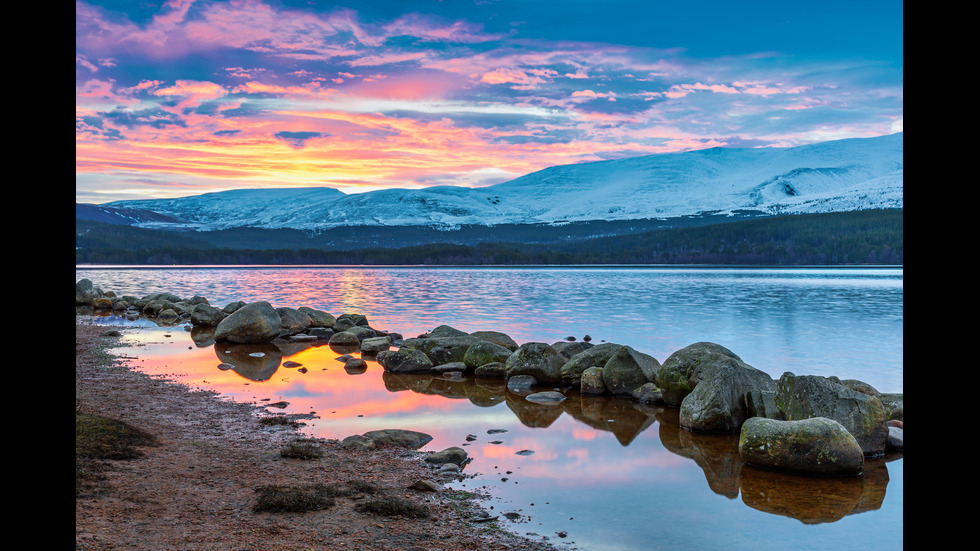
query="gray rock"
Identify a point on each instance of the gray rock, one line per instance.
(547, 397)
(896, 438)
(717, 403)
(454, 455)
(762, 403)
(681, 371)
(292, 321)
(571, 370)
(442, 350)
(357, 442)
(405, 360)
(257, 322)
(521, 383)
(374, 345)
(446, 331)
(484, 352)
(205, 315)
(649, 393)
(591, 381)
(538, 360)
(806, 396)
(496, 337)
(86, 292)
(362, 332)
(494, 370)
(815, 446)
(626, 370)
(399, 437)
(344, 339)
(425, 486)
(451, 367)
(569, 349)
(318, 318)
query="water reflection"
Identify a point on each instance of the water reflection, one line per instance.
(810, 500)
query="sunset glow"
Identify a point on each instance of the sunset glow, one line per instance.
(192, 96)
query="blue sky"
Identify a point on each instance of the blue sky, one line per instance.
(186, 97)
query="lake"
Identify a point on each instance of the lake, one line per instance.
(599, 473)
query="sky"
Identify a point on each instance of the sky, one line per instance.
(184, 97)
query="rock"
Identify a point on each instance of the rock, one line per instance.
(681, 371)
(485, 352)
(344, 339)
(442, 350)
(205, 315)
(569, 349)
(291, 363)
(451, 367)
(374, 345)
(521, 383)
(401, 438)
(405, 360)
(591, 381)
(168, 315)
(446, 331)
(454, 455)
(762, 403)
(538, 360)
(648, 393)
(626, 370)
(806, 396)
(321, 333)
(815, 446)
(362, 332)
(357, 442)
(896, 437)
(496, 337)
(303, 338)
(318, 318)
(257, 322)
(354, 364)
(494, 370)
(547, 397)
(86, 292)
(352, 319)
(571, 370)
(232, 306)
(717, 403)
(893, 404)
(292, 321)
(425, 486)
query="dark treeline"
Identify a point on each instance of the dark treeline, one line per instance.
(863, 237)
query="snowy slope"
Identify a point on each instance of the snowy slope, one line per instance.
(841, 175)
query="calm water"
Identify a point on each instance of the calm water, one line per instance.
(608, 473)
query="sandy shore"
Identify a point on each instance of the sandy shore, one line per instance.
(195, 490)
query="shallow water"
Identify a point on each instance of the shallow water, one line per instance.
(606, 472)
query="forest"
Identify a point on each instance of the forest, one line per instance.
(873, 237)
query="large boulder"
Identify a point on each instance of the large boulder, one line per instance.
(256, 322)
(681, 371)
(806, 396)
(626, 370)
(484, 352)
(538, 360)
(597, 356)
(718, 403)
(814, 446)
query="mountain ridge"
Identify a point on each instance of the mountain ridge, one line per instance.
(834, 176)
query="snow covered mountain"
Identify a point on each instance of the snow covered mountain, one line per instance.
(842, 175)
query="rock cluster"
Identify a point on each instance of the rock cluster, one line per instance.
(804, 424)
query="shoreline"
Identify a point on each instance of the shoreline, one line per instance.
(196, 489)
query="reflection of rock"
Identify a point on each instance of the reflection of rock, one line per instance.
(531, 414)
(291, 348)
(203, 337)
(398, 382)
(809, 499)
(486, 393)
(256, 362)
(619, 416)
(715, 453)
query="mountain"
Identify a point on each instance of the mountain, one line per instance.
(122, 215)
(835, 176)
